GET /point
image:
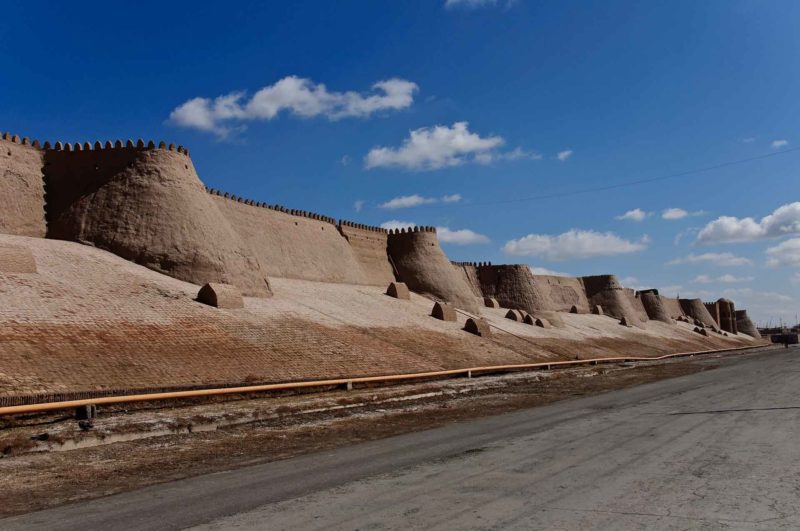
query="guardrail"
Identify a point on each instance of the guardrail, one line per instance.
(349, 382)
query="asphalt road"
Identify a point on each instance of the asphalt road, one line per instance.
(713, 450)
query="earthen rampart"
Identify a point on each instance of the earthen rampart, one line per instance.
(423, 266)
(468, 271)
(514, 286)
(672, 306)
(370, 248)
(653, 305)
(21, 187)
(296, 243)
(745, 325)
(606, 291)
(562, 293)
(146, 204)
(695, 309)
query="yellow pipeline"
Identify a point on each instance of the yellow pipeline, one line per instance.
(68, 404)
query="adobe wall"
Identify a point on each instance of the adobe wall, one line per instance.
(606, 291)
(672, 307)
(745, 325)
(423, 266)
(468, 271)
(514, 286)
(562, 293)
(713, 310)
(21, 187)
(147, 205)
(727, 315)
(294, 243)
(696, 309)
(636, 304)
(653, 306)
(369, 246)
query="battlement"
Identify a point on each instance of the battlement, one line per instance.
(16, 139)
(471, 264)
(276, 208)
(412, 230)
(96, 146)
(361, 226)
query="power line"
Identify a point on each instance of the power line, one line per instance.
(626, 183)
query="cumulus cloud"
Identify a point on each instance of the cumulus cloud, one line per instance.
(460, 237)
(430, 148)
(292, 94)
(358, 205)
(545, 271)
(573, 244)
(637, 214)
(717, 259)
(564, 155)
(408, 201)
(784, 254)
(785, 220)
(722, 279)
(397, 224)
(679, 213)
(777, 144)
(515, 154)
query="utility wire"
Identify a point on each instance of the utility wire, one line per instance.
(626, 183)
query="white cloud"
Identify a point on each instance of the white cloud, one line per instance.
(673, 290)
(345, 160)
(722, 279)
(572, 244)
(515, 154)
(763, 306)
(637, 214)
(564, 155)
(785, 220)
(795, 278)
(358, 205)
(295, 95)
(784, 254)
(730, 279)
(408, 201)
(397, 224)
(679, 213)
(717, 259)
(460, 237)
(777, 144)
(430, 148)
(749, 140)
(545, 271)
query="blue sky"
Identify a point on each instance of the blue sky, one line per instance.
(461, 114)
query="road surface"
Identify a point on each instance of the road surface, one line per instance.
(716, 449)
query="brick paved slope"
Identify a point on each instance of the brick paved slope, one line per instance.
(88, 320)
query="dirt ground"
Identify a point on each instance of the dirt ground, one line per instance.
(49, 460)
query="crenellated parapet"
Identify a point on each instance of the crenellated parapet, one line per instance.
(362, 226)
(97, 145)
(413, 230)
(471, 264)
(276, 208)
